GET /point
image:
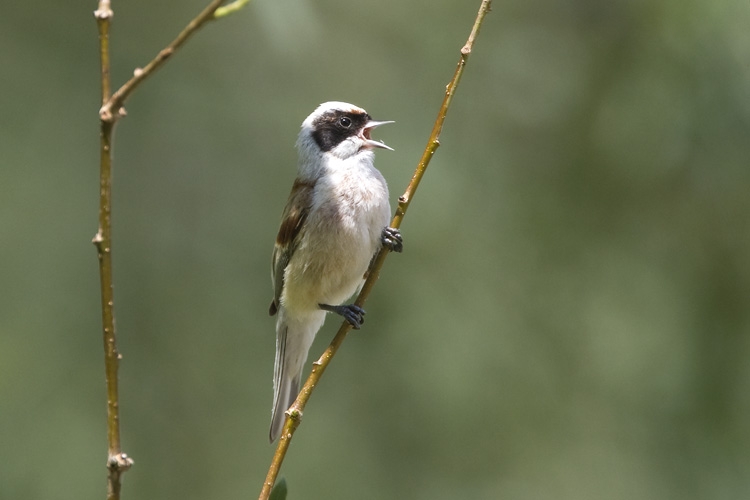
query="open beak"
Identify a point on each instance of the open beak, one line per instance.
(365, 135)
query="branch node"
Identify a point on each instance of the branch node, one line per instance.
(120, 462)
(105, 113)
(104, 11)
(294, 414)
(108, 116)
(163, 55)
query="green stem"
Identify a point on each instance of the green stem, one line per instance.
(230, 8)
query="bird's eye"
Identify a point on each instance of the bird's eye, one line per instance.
(345, 121)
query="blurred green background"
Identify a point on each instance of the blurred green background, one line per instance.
(569, 320)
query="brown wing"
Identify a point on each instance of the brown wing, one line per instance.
(292, 220)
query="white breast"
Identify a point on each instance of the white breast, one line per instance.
(349, 211)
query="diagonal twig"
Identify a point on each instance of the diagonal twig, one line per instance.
(294, 413)
(111, 108)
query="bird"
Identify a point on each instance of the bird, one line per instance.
(335, 221)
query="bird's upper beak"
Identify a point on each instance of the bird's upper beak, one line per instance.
(365, 135)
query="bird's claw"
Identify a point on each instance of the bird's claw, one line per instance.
(352, 313)
(392, 240)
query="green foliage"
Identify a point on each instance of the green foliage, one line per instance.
(279, 490)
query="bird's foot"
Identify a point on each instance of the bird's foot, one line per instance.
(392, 240)
(354, 314)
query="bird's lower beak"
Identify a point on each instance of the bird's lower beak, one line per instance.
(365, 135)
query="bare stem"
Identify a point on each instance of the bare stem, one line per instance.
(117, 461)
(294, 414)
(112, 107)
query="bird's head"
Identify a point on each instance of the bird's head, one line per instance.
(340, 129)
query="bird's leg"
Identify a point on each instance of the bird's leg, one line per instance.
(354, 314)
(391, 239)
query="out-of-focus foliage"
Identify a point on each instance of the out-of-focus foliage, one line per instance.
(569, 320)
(279, 491)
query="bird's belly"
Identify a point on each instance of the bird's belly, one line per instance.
(342, 232)
(328, 269)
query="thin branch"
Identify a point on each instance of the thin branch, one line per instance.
(103, 17)
(112, 108)
(294, 413)
(117, 461)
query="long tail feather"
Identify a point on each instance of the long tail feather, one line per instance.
(293, 340)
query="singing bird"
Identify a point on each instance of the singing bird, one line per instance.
(334, 222)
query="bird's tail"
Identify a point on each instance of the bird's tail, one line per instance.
(293, 339)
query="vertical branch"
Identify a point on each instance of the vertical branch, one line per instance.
(110, 111)
(103, 17)
(294, 413)
(117, 461)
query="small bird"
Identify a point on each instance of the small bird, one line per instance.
(334, 222)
